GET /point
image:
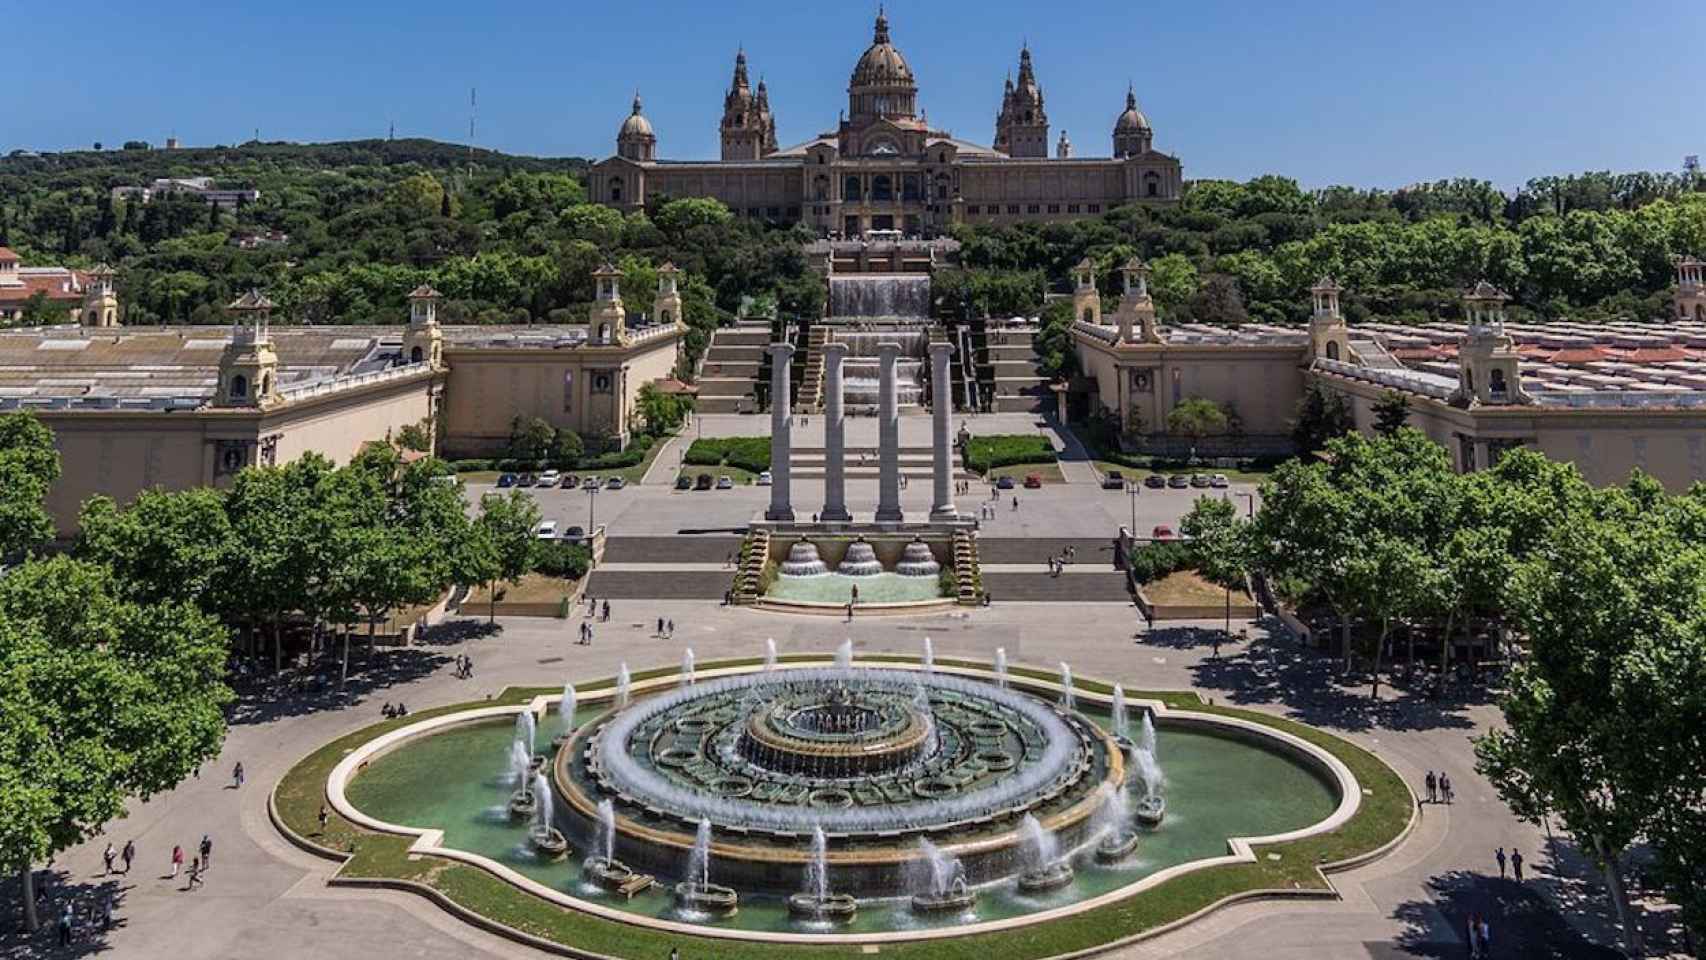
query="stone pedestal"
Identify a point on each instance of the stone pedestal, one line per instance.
(781, 434)
(941, 434)
(888, 436)
(834, 437)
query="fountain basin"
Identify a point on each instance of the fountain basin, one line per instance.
(707, 897)
(548, 842)
(1051, 877)
(860, 561)
(522, 804)
(834, 907)
(1150, 810)
(956, 899)
(1116, 846)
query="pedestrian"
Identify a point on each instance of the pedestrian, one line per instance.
(1516, 864)
(129, 854)
(669, 628)
(237, 774)
(195, 873)
(177, 858)
(1015, 504)
(606, 614)
(107, 911)
(849, 611)
(660, 627)
(467, 667)
(325, 815)
(65, 922)
(206, 851)
(674, 953)
(1474, 936)
(1433, 787)
(1445, 787)
(1500, 856)
(107, 857)
(1485, 930)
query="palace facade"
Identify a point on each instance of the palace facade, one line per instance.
(884, 168)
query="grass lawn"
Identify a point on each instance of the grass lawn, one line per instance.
(740, 477)
(1386, 808)
(1187, 588)
(1050, 472)
(533, 588)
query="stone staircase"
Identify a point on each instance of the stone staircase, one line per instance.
(655, 568)
(731, 367)
(966, 570)
(810, 392)
(917, 464)
(1094, 576)
(1372, 353)
(1035, 550)
(657, 584)
(1019, 384)
(749, 578)
(1109, 587)
(671, 550)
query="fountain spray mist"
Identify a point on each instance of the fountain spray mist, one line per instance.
(687, 667)
(1001, 667)
(525, 729)
(1066, 699)
(1122, 723)
(769, 654)
(566, 709)
(844, 654)
(929, 656)
(606, 829)
(624, 686)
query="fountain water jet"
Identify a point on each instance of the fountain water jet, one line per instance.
(697, 892)
(1001, 667)
(624, 686)
(1047, 870)
(844, 654)
(1116, 838)
(522, 801)
(944, 882)
(546, 839)
(929, 655)
(687, 677)
(816, 902)
(565, 716)
(1152, 806)
(526, 729)
(1066, 699)
(769, 654)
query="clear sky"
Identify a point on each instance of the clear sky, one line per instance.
(1365, 92)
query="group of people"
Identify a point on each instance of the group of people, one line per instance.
(1439, 787)
(393, 711)
(198, 863)
(1480, 937)
(1515, 863)
(1057, 564)
(586, 633)
(593, 609)
(464, 667)
(666, 628)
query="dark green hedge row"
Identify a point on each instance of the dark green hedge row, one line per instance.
(609, 460)
(983, 454)
(748, 453)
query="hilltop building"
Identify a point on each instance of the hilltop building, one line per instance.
(885, 168)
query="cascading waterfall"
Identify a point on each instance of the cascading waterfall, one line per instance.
(526, 728)
(879, 296)
(861, 372)
(1001, 667)
(624, 686)
(1040, 845)
(687, 667)
(1122, 723)
(1066, 698)
(606, 830)
(769, 654)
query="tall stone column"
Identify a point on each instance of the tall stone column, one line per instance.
(834, 436)
(781, 434)
(942, 433)
(888, 436)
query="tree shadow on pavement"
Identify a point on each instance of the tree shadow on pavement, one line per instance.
(316, 689)
(1521, 921)
(85, 897)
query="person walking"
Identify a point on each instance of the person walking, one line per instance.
(65, 925)
(195, 873)
(1445, 788)
(325, 815)
(1516, 864)
(1433, 788)
(605, 616)
(1485, 932)
(674, 953)
(107, 911)
(237, 775)
(1499, 855)
(107, 857)
(206, 851)
(1472, 933)
(669, 628)
(177, 858)
(1015, 504)
(129, 854)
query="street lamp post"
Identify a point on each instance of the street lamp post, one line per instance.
(1131, 489)
(1250, 498)
(591, 511)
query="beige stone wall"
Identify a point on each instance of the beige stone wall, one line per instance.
(340, 426)
(1264, 384)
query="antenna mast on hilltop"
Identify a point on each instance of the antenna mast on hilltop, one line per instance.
(472, 111)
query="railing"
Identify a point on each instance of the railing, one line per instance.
(1104, 334)
(1397, 379)
(339, 384)
(648, 333)
(1638, 399)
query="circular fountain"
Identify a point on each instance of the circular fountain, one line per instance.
(860, 561)
(916, 560)
(803, 561)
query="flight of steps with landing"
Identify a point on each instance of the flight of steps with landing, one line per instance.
(917, 464)
(810, 393)
(731, 368)
(1020, 386)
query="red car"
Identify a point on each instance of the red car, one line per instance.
(1163, 532)
(1033, 481)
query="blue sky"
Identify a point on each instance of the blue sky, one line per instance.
(1370, 93)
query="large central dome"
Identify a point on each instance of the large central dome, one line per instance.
(882, 84)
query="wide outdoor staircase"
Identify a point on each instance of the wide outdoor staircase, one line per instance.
(664, 568)
(749, 577)
(917, 464)
(1092, 577)
(1373, 353)
(967, 577)
(729, 374)
(1019, 384)
(809, 395)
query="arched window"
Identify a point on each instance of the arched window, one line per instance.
(266, 384)
(882, 188)
(616, 189)
(942, 157)
(1151, 184)
(239, 386)
(1496, 382)
(909, 188)
(820, 187)
(604, 333)
(415, 355)
(1332, 349)
(92, 317)
(664, 317)
(821, 159)
(1089, 315)
(850, 189)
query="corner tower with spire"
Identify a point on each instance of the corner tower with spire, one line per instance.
(748, 129)
(1021, 129)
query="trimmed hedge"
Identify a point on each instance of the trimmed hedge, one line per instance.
(557, 558)
(638, 446)
(983, 454)
(1152, 561)
(751, 454)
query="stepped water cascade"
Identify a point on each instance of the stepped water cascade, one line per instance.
(916, 560)
(860, 561)
(879, 296)
(861, 373)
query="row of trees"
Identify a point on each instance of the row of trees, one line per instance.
(1604, 590)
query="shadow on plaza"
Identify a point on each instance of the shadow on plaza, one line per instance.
(316, 688)
(1310, 684)
(1521, 921)
(85, 897)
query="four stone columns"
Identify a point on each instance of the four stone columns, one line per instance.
(941, 434)
(888, 436)
(781, 433)
(834, 437)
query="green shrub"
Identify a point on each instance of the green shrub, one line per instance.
(751, 454)
(557, 558)
(706, 452)
(986, 453)
(947, 584)
(1152, 561)
(472, 466)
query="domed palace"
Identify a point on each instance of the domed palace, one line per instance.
(885, 168)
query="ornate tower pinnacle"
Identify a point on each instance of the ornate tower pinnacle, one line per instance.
(1021, 129)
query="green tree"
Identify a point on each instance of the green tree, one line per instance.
(1219, 301)
(661, 412)
(1197, 418)
(506, 524)
(29, 467)
(1220, 544)
(1322, 414)
(1391, 413)
(164, 546)
(104, 700)
(530, 438)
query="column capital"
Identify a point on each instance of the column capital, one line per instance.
(780, 349)
(835, 348)
(941, 347)
(888, 350)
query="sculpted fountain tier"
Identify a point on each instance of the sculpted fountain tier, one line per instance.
(860, 561)
(916, 560)
(803, 561)
(861, 763)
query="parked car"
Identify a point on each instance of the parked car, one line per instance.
(574, 534)
(684, 482)
(570, 481)
(1178, 481)
(764, 479)
(1033, 481)
(702, 482)
(615, 483)
(1005, 483)
(1219, 481)
(550, 478)
(1199, 480)
(547, 530)
(526, 480)
(1163, 532)
(1113, 480)
(725, 482)
(1155, 481)
(506, 479)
